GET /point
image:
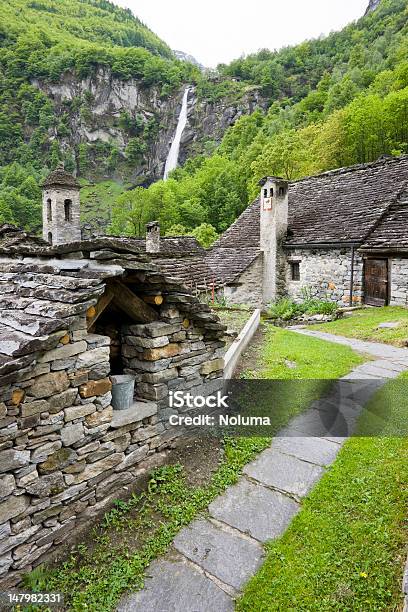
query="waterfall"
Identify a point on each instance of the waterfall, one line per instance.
(172, 158)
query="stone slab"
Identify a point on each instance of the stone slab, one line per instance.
(314, 450)
(173, 586)
(374, 370)
(361, 392)
(335, 424)
(137, 412)
(284, 472)
(389, 365)
(359, 375)
(405, 579)
(388, 325)
(227, 556)
(255, 510)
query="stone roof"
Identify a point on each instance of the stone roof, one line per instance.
(229, 263)
(339, 206)
(344, 205)
(61, 178)
(181, 257)
(183, 246)
(45, 289)
(13, 238)
(191, 270)
(237, 248)
(391, 233)
(244, 232)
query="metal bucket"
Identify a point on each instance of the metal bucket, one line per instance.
(123, 389)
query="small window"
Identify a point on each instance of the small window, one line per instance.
(68, 210)
(295, 270)
(271, 192)
(50, 237)
(265, 193)
(281, 191)
(49, 210)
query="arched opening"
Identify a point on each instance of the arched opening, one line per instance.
(68, 210)
(50, 237)
(49, 210)
(281, 191)
(271, 192)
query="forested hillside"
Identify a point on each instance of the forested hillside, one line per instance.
(85, 82)
(46, 44)
(335, 101)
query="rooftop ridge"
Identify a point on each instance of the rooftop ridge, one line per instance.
(382, 161)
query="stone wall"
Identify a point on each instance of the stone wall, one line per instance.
(65, 453)
(399, 281)
(248, 289)
(327, 273)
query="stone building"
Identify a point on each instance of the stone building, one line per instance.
(61, 208)
(71, 316)
(341, 235)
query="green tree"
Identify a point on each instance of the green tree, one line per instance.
(206, 234)
(283, 156)
(135, 150)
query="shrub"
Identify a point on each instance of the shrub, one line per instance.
(322, 307)
(286, 309)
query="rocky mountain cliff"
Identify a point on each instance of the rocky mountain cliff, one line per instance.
(372, 6)
(103, 113)
(186, 57)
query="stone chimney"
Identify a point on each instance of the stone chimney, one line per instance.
(61, 207)
(153, 237)
(273, 228)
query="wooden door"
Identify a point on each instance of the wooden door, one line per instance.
(376, 282)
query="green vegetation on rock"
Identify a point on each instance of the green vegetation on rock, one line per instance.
(97, 200)
(45, 43)
(334, 102)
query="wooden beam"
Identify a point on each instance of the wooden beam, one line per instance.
(153, 299)
(95, 311)
(132, 305)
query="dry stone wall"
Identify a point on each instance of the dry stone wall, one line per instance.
(248, 288)
(327, 273)
(399, 281)
(64, 451)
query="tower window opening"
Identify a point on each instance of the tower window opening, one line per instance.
(50, 237)
(68, 210)
(271, 192)
(281, 191)
(49, 210)
(265, 193)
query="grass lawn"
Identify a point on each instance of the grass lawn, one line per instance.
(346, 549)
(97, 200)
(287, 355)
(120, 547)
(363, 324)
(233, 319)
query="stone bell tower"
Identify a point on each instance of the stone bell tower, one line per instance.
(273, 229)
(61, 207)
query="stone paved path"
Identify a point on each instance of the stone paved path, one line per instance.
(212, 559)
